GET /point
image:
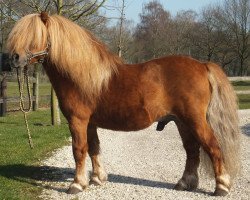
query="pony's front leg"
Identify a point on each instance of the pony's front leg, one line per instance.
(78, 128)
(99, 174)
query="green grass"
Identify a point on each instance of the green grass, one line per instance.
(44, 89)
(241, 85)
(244, 101)
(19, 165)
(12, 89)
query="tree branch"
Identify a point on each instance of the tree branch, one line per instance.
(89, 11)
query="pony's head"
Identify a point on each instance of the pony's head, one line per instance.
(28, 41)
(72, 50)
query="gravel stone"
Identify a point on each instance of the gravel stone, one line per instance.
(142, 165)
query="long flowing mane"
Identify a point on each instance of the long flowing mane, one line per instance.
(74, 51)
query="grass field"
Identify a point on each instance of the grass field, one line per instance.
(244, 101)
(44, 90)
(19, 165)
(241, 85)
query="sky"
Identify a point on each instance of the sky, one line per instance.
(134, 7)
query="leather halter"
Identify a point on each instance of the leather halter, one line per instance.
(43, 53)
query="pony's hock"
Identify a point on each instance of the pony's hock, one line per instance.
(96, 89)
(5, 65)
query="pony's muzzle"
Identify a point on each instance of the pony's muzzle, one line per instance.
(15, 57)
(18, 61)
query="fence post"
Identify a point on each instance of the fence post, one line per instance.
(35, 89)
(3, 95)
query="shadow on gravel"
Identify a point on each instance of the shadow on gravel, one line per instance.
(40, 176)
(114, 178)
(246, 129)
(43, 176)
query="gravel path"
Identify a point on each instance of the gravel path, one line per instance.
(142, 165)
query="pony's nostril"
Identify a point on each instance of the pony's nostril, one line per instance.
(15, 57)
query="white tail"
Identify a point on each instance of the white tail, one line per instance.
(222, 116)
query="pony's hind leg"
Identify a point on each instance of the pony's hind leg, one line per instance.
(208, 141)
(99, 174)
(190, 179)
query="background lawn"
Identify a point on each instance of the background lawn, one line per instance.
(44, 91)
(244, 99)
(19, 165)
(241, 85)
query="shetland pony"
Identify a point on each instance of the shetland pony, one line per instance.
(96, 89)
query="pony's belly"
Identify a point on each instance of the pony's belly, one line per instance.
(123, 121)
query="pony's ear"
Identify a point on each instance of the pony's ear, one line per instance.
(44, 17)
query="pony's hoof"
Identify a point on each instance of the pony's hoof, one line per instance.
(98, 180)
(103, 176)
(95, 181)
(74, 188)
(220, 192)
(181, 186)
(189, 184)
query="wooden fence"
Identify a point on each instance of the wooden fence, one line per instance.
(4, 100)
(239, 78)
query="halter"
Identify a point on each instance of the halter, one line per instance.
(21, 81)
(43, 53)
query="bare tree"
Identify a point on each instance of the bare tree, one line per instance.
(72, 9)
(151, 35)
(112, 38)
(118, 34)
(207, 36)
(236, 17)
(121, 29)
(182, 25)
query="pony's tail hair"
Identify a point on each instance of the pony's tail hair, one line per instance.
(222, 116)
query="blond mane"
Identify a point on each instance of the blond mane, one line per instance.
(74, 51)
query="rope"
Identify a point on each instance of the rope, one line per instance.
(21, 81)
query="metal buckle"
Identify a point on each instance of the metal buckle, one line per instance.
(31, 55)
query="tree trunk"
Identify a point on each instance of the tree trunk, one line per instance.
(55, 111)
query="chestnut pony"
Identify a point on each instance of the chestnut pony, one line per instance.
(96, 89)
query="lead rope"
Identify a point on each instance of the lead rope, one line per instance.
(21, 81)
